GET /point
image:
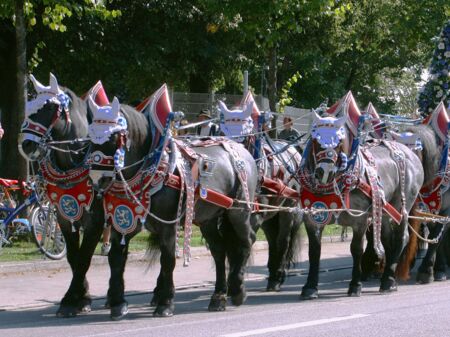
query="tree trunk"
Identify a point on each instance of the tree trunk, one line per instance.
(20, 169)
(7, 88)
(272, 88)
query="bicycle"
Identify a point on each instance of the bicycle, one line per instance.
(41, 222)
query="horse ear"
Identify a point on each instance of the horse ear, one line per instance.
(223, 107)
(115, 106)
(92, 105)
(54, 88)
(341, 121)
(316, 117)
(249, 108)
(38, 86)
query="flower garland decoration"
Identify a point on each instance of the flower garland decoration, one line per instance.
(437, 89)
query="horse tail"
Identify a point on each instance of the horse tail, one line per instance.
(409, 253)
(294, 247)
(153, 251)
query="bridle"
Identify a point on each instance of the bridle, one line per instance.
(332, 160)
(40, 134)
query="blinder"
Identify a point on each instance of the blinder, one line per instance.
(35, 132)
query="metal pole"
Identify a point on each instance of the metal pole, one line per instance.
(245, 82)
(262, 80)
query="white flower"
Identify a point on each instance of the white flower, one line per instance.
(439, 94)
(441, 45)
(447, 54)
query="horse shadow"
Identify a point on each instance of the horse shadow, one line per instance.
(195, 300)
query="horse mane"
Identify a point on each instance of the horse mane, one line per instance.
(431, 153)
(138, 129)
(78, 110)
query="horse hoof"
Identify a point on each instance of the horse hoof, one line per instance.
(239, 299)
(424, 278)
(388, 288)
(84, 308)
(309, 294)
(218, 302)
(164, 310)
(66, 311)
(440, 276)
(354, 290)
(119, 311)
(154, 301)
(273, 286)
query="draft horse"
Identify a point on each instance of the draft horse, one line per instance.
(148, 178)
(376, 183)
(277, 162)
(430, 140)
(56, 122)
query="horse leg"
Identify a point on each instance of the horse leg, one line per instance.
(394, 241)
(425, 272)
(309, 290)
(211, 233)
(440, 265)
(356, 248)
(239, 240)
(117, 259)
(77, 298)
(165, 289)
(271, 230)
(369, 260)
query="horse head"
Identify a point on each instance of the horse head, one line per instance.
(237, 122)
(46, 116)
(329, 147)
(108, 134)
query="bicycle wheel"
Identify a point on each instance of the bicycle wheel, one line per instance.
(47, 233)
(3, 240)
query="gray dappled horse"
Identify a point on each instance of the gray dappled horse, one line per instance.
(362, 183)
(277, 162)
(146, 176)
(430, 141)
(55, 118)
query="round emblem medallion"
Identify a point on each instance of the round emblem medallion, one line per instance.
(123, 217)
(321, 218)
(69, 206)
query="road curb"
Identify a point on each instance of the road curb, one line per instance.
(140, 257)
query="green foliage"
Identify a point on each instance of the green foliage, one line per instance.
(398, 91)
(285, 98)
(203, 45)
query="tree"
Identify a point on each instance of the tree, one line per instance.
(352, 51)
(437, 88)
(16, 16)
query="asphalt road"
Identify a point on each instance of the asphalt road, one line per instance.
(28, 303)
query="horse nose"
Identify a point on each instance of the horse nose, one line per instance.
(318, 173)
(96, 177)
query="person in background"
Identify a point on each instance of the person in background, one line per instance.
(1, 131)
(207, 129)
(183, 132)
(106, 244)
(288, 133)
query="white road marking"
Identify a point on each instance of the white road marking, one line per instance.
(293, 326)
